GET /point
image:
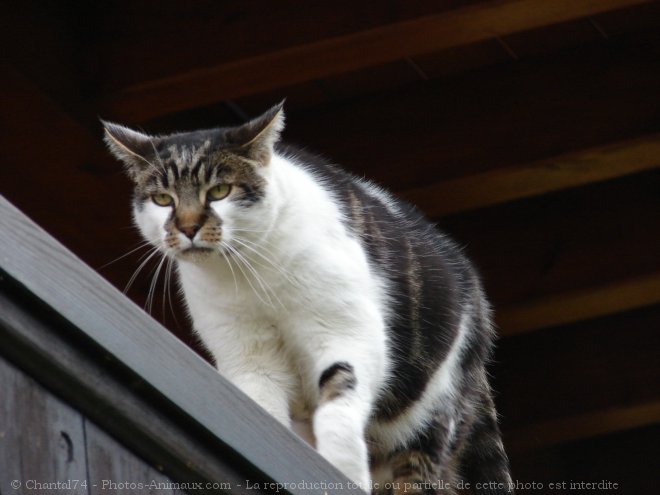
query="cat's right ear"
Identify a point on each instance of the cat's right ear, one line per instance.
(257, 137)
(131, 147)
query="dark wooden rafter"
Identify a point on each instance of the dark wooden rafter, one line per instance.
(577, 305)
(579, 105)
(554, 432)
(541, 177)
(340, 54)
(584, 253)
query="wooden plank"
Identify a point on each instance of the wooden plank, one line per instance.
(87, 377)
(160, 362)
(322, 58)
(549, 433)
(112, 467)
(578, 305)
(562, 172)
(41, 437)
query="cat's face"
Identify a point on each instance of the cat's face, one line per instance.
(197, 192)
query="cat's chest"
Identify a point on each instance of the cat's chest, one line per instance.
(271, 287)
(239, 286)
(229, 294)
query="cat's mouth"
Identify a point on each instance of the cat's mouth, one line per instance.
(194, 252)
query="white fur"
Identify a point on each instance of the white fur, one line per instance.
(315, 302)
(150, 221)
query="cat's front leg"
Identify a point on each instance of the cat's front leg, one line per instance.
(348, 370)
(340, 419)
(252, 359)
(267, 390)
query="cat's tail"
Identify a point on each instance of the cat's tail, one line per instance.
(484, 463)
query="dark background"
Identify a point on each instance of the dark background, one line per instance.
(528, 129)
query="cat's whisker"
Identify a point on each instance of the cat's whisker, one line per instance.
(150, 254)
(143, 256)
(267, 291)
(160, 160)
(140, 246)
(267, 288)
(150, 277)
(152, 287)
(153, 275)
(164, 298)
(262, 242)
(253, 247)
(249, 230)
(261, 239)
(245, 276)
(139, 157)
(168, 288)
(240, 260)
(231, 268)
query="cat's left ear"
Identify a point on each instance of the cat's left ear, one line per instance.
(257, 138)
(133, 148)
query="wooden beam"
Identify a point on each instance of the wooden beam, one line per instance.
(540, 254)
(498, 117)
(584, 367)
(592, 372)
(563, 430)
(579, 305)
(562, 172)
(340, 54)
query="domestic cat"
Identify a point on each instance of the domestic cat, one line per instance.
(339, 309)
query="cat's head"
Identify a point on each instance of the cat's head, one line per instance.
(195, 191)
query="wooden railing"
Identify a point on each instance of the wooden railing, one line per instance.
(93, 392)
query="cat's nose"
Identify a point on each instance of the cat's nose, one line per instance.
(189, 230)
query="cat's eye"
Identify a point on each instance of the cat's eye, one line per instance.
(216, 193)
(162, 199)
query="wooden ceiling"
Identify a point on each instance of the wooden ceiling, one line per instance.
(529, 129)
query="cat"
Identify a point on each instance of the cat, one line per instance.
(337, 308)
